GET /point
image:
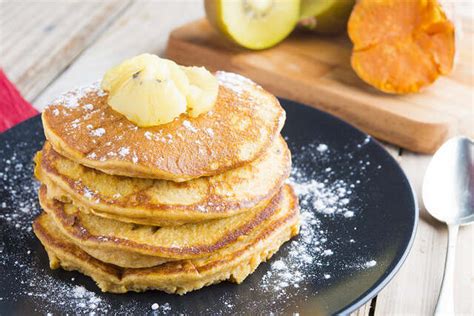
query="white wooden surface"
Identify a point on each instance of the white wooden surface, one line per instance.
(47, 47)
(39, 39)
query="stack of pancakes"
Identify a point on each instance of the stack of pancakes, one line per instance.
(173, 207)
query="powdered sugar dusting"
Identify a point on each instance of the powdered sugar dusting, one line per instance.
(148, 135)
(189, 126)
(98, 132)
(161, 309)
(88, 194)
(371, 263)
(322, 147)
(323, 198)
(330, 201)
(233, 81)
(71, 98)
(34, 281)
(134, 158)
(210, 132)
(123, 151)
(88, 107)
(327, 198)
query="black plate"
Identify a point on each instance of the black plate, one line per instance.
(355, 235)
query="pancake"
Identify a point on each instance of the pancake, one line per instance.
(130, 245)
(243, 123)
(162, 202)
(232, 263)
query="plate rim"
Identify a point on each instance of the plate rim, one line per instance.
(389, 274)
(384, 280)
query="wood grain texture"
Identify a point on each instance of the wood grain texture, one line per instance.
(143, 28)
(38, 40)
(316, 70)
(364, 310)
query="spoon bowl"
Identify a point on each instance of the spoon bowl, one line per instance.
(448, 186)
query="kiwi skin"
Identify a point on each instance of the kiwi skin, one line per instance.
(213, 9)
(333, 21)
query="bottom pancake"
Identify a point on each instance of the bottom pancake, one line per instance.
(232, 263)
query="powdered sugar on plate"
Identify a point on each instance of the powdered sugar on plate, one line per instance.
(33, 279)
(312, 247)
(330, 200)
(324, 197)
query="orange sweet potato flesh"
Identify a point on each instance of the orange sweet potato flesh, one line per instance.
(400, 46)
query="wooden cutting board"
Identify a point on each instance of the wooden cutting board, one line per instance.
(316, 70)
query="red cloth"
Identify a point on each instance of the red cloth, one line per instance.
(13, 108)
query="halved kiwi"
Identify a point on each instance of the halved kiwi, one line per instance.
(254, 24)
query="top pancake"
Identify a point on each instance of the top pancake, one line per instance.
(243, 123)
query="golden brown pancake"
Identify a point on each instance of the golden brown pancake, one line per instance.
(163, 202)
(242, 125)
(130, 245)
(232, 263)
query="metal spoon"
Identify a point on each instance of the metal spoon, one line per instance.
(448, 195)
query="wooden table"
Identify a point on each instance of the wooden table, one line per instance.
(47, 47)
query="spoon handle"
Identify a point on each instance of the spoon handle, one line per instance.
(445, 304)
